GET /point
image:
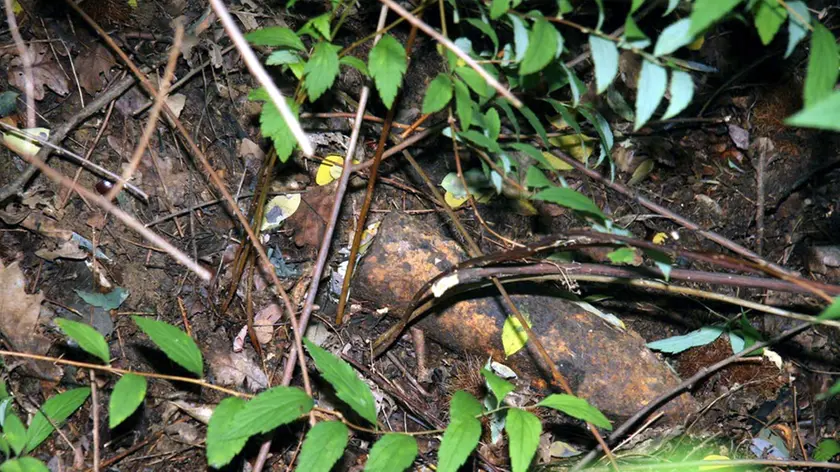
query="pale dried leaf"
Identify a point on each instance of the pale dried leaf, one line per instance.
(45, 72)
(93, 68)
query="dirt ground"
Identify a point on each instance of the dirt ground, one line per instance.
(705, 170)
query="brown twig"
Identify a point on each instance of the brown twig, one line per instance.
(94, 398)
(26, 60)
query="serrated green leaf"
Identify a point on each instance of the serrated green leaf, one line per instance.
(15, 433)
(605, 56)
(481, 140)
(355, 63)
(317, 27)
(323, 446)
(499, 386)
(536, 178)
(321, 70)
(826, 450)
(57, 409)
(463, 405)
(542, 47)
(273, 126)
(128, 394)
(653, 80)
(268, 410)
(275, 36)
(392, 453)
(438, 94)
(23, 464)
(823, 115)
(387, 64)
(570, 199)
(831, 312)
(283, 57)
(676, 344)
(463, 104)
(88, 338)
(823, 66)
(107, 301)
(796, 28)
(576, 408)
(348, 386)
(681, 90)
(523, 430)
(459, 440)
(673, 37)
(474, 80)
(176, 344)
(499, 8)
(706, 12)
(487, 30)
(769, 17)
(220, 449)
(622, 255)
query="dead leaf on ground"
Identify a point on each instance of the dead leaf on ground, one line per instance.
(19, 312)
(45, 72)
(310, 220)
(93, 68)
(233, 368)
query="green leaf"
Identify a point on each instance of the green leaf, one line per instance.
(274, 126)
(499, 8)
(823, 115)
(822, 66)
(634, 36)
(8, 102)
(536, 178)
(387, 64)
(676, 344)
(826, 450)
(576, 85)
(622, 255)
(88, 338)
(15, 433)
(605, 56)
(796, 29)
(492, 123)
(176, 344)
(438, 94)
(661, 260)
(320, 25)
(220, 449)
(283, 57)
(24, 464)
(107, 301)
(521, 40)
(635, 5)
(570, 199)
(57, 409)
(769, 17)
(542, 47)
(268, 410)
(681, 90)
(392, 453)
(672, 5)
(652, 83)
(474, 80)
(576, 408)
(463, 405)
(534, 122)
(831, 312)
(355, 63)
(323, 446)
(321, 70)
(128, 394)
(499, 386)
(523, 430)
(514, 336)
(463, 104)
(348, 386)
(706, 12)
(487, 30)
(4, 446)
(673, 37)
(481, 140)
(459, 440)
(275, 36)
(505, 106)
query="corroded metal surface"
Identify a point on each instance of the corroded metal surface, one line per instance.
(611, 368)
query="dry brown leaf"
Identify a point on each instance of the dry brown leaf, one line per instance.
(19, 312)
(233, 368)
(45, 72)
(310, 220)
(93, 68)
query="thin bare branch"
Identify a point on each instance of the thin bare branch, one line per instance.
(26, 60)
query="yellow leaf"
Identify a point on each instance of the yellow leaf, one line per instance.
(578, 146)
(660, 238)
(555, 162)
(715, 457)
(453, 201)
(330, 169)
(16, 8)
(278, 209)
(23, 146)
(558, 122)
(514, 336)
(697, 44)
